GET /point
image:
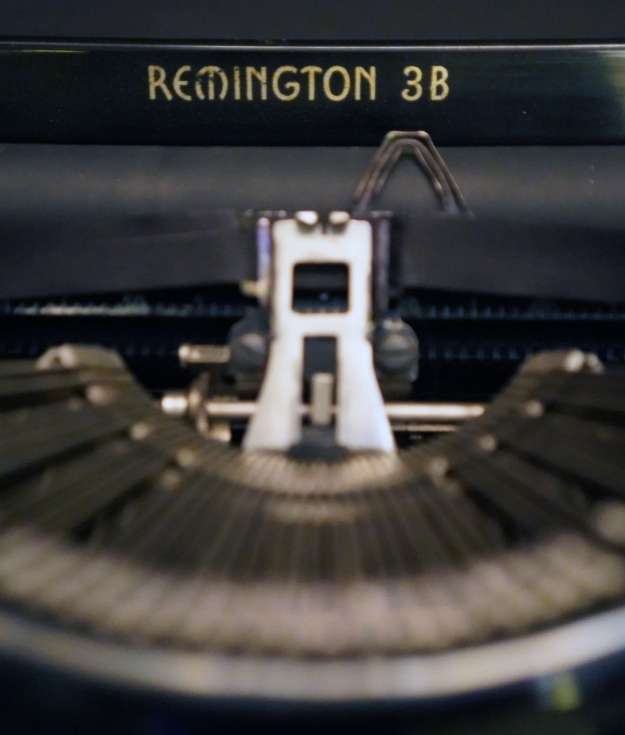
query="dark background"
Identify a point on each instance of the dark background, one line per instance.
(327, 20)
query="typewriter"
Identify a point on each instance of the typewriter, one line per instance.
(312, 396)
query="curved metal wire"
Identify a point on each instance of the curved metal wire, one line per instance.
(419, 145)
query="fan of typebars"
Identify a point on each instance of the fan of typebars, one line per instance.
(119, 519)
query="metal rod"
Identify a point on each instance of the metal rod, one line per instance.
(398, 413)
(433, 412)
(321, 398)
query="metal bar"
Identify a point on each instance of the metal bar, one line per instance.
(398, 413)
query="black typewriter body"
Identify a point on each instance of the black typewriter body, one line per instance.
(414, 522)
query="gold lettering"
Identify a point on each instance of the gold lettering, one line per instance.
(260, 75)
(211, 73)
(156, 81)
(179, 83)
(237, 82)
(327, 83)
(439, 87)
(292, 89)
(369, 77)
(287, 83)
(312, 72)
(413, 89)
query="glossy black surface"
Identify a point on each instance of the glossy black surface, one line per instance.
(100, 93)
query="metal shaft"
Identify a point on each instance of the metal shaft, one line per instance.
(398, 413)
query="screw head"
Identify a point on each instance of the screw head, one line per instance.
(338, 218)
(307, 218)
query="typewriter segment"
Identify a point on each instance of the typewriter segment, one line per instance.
(319, 519)
(312, 386)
